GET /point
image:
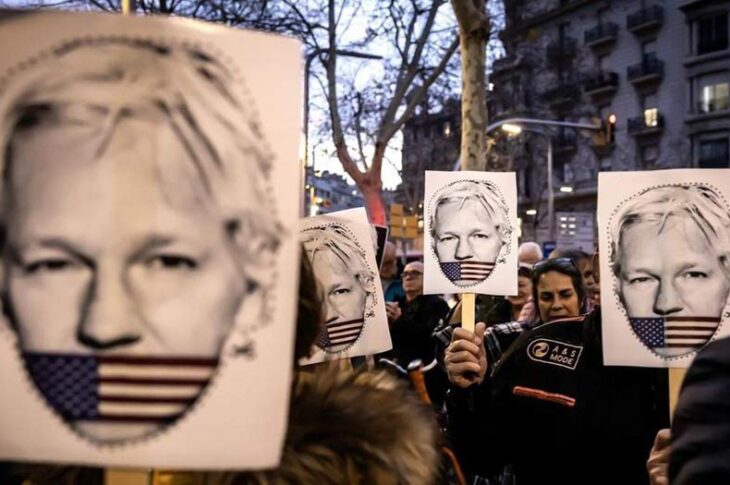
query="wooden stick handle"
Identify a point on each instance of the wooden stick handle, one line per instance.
(117, 476)
(468, 311)
(676, 377)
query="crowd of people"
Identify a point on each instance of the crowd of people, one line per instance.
(525, 397)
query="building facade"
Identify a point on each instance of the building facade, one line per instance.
(327, 192)
(661, 68)
(431, 141)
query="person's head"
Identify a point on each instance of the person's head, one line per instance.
(389, 265)
(669, 252)
(413, 280)
(470, 230)
(524, 287)
(558, 289)
(309, 311)
(345, 280)
(529, 253)
(584, 262)
(134, 208)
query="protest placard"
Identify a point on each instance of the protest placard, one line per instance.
(342, 251)
(664, 245)
(470, 238)
(153, 277)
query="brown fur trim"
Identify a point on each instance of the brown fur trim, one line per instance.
(356, 428)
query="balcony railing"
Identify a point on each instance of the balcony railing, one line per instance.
(562, 94)
(601, 83)
(601, 34)
(647, 124)
(562, 51)
(713, 105)
(649, 69)
(645, 19)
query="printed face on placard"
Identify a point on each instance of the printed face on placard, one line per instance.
(123, 275)
(670, 265)
(469, 229)
(345, 282)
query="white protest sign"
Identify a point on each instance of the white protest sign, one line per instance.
(151, 293)
(470, 233)
(341, 249)
(665, 256)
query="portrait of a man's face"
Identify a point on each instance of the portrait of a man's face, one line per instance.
(134, 181)
(346, 282)
(470, 230)
(669, 254)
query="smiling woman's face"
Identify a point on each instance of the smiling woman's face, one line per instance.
(672, 271)
(105, 256)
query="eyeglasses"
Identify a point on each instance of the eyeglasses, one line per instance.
(412, 274)
(553, 262)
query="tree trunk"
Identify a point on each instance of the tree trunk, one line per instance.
(473, 36)
(373, 195)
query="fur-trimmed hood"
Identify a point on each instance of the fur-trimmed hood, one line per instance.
(344, 428)
(356, 428)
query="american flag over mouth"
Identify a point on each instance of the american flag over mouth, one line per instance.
(119, 388)
(673, 336)
(467, 270)
(337, 334)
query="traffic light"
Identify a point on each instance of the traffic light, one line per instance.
(606, 136)
(610, 129)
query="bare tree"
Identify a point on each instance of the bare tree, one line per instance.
(416, 38)
(423, 52)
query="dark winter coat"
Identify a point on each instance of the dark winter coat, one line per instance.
(701, 426)
(553, 410)
(411, 332)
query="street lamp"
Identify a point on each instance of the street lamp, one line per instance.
(515, 126)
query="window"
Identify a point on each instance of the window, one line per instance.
(714, 92)
(602, 15)
(447, 129)
(563, 33)
(648, 48)
(712, 33)
(649, 109)
(713, 153)
(649, 154)
(602, 63)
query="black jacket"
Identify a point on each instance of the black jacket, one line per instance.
(701, 427)
(411, 333)
(557, 414)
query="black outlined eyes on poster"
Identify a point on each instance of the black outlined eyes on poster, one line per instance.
(341, 249)
(470, 233)
(665, 248)
(148, 271)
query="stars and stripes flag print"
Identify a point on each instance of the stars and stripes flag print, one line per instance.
(671, 336)
(119, 388)
(339, 335)
(467, 270)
